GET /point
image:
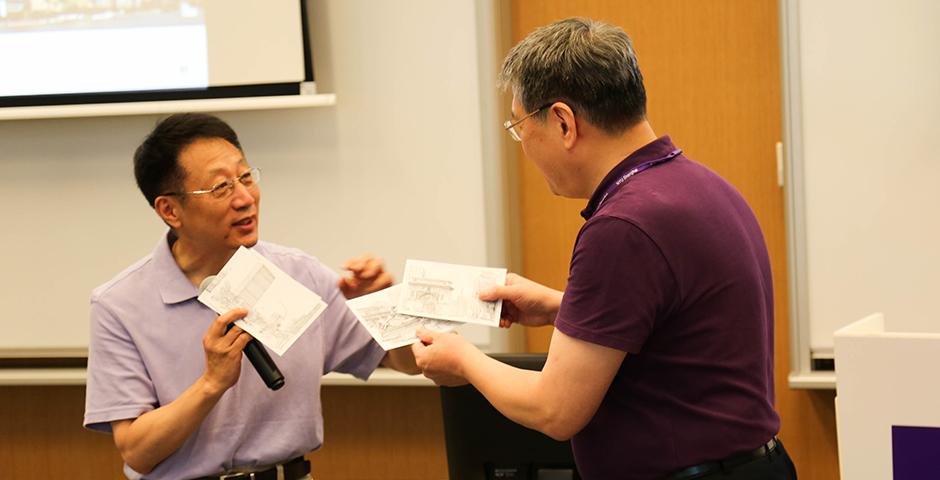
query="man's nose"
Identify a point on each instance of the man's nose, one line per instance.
(241, 196)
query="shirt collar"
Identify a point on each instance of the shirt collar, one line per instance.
(651, 151)
(172, 282)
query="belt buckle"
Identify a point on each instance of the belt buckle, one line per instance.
(238, 476)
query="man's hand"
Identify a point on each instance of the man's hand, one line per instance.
(224, 350)
(149, 439)
(525, 302)
(368, 275)
(401, 359)
(441, 355)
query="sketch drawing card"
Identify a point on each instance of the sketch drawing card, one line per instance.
(378, 312)
(450, 292)
(280, 309)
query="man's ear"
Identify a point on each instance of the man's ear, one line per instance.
(169, 209)
(567, 125)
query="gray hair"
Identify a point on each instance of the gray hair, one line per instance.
(587, 64)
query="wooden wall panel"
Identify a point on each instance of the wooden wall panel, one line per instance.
(41, 436)
(712, 72)
(370, 433)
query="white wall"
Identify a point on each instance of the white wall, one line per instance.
(865, 116)
(871, 104)
(397, 168)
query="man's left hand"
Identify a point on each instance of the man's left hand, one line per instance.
(440, 356)
(368, 275)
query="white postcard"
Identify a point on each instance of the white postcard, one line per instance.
(450, 292)
(280, 309)
(378, 313)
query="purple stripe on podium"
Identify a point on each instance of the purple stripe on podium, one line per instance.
(915, 452)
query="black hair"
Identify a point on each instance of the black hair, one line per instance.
(156, 161)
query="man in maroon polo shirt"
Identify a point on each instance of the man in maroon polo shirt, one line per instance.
(661, 363)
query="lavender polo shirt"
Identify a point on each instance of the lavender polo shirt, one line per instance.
(672, 268)
(146, 349)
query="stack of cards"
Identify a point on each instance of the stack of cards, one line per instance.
(279, 307)
(436, 296)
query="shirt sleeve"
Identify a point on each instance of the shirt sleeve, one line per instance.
(118, 386)
(355, 352)
(349, 348)
(619, 284)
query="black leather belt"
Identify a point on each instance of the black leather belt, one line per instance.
(293, 470)
(707, 468)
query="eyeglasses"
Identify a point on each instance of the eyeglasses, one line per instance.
(510, 125)
(249, 179)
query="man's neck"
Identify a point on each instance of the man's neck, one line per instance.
(198, 264)
(610, 151)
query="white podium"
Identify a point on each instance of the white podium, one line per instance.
(888, 400)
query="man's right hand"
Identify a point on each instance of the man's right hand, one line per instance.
(149, 439)
(224, 350)
(525, 302)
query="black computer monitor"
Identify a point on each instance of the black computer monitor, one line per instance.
(482, 444)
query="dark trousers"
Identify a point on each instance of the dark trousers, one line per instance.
(775, 466)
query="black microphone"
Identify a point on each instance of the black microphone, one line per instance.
(256, 353)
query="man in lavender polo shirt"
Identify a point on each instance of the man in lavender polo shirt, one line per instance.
(661, 363)
(164, 376)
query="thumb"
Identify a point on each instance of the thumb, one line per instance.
(426, 336)
(346, 283)
(417, 349)
(496, 292)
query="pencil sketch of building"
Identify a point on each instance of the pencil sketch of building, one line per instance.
(449, 292)
(429, 294)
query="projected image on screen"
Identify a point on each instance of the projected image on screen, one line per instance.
(89, 46)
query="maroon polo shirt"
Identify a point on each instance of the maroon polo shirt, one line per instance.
(671, 267)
